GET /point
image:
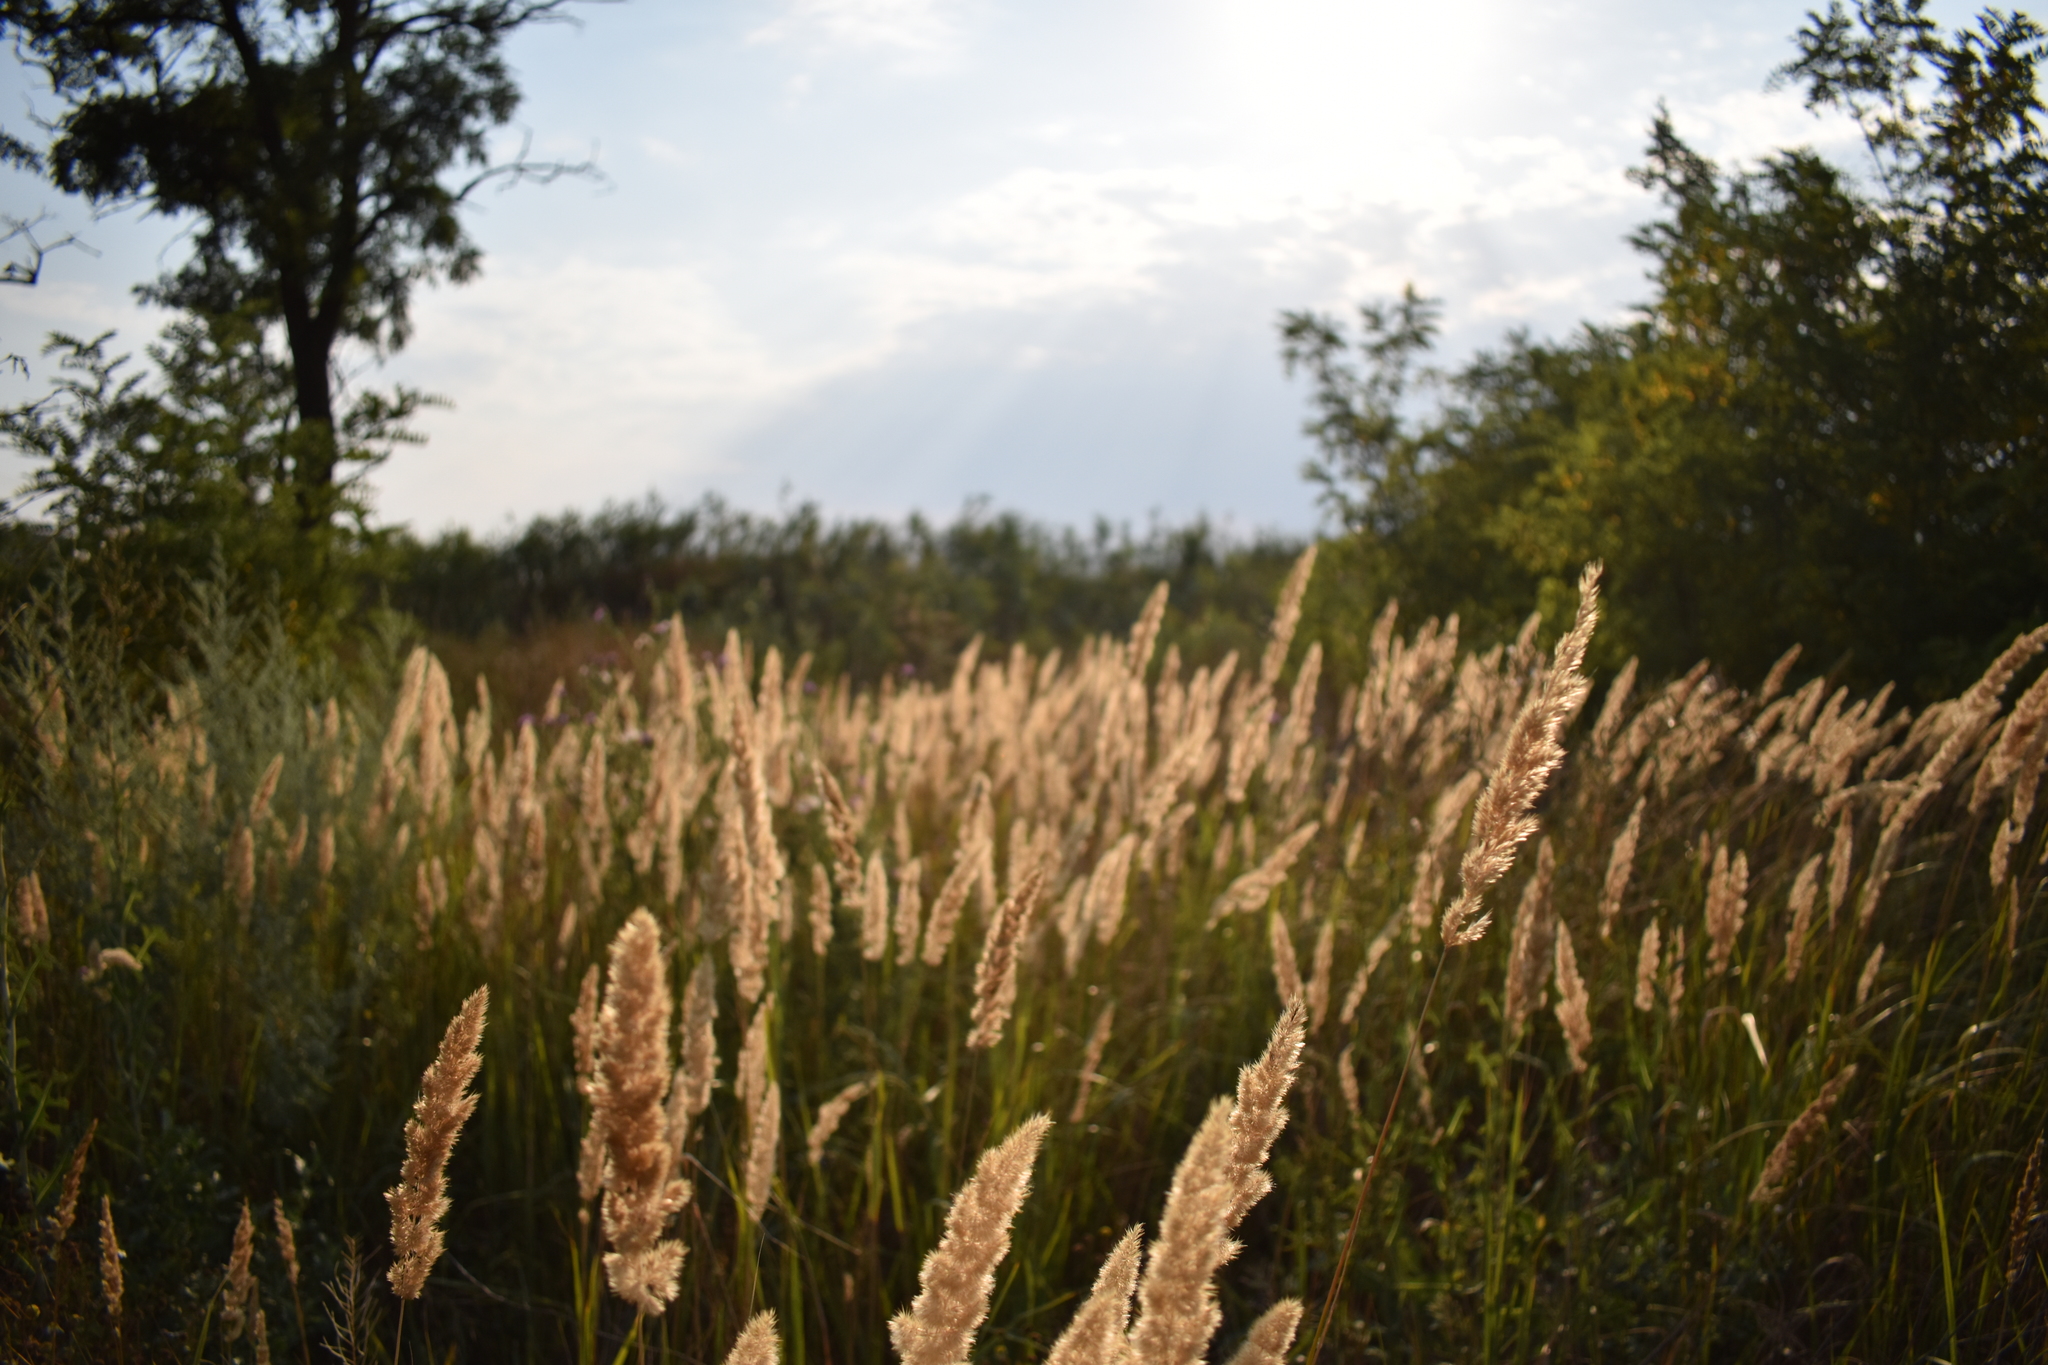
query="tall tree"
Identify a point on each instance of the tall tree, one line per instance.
(312, 141)
(1828, 424)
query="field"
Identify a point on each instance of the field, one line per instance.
(1746, 1067)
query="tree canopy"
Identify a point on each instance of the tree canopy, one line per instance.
(312, 141)
(1826, 426)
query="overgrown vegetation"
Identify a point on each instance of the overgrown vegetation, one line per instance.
(1576, 1168)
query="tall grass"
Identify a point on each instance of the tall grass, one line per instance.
(1659, 1152)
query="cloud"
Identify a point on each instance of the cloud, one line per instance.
(909, 27)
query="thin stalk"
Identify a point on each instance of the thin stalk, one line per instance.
(1373, 1167)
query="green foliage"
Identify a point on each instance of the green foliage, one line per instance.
(1826, 427)
(865, 598)
(309, 140)
(150, 487)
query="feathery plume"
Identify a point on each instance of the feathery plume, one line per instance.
(1530, 953)
(957, 1278)
(1812, 1120)
(259, 1331)
(1096, 1334)
(1286, 617)
(31, 912)
(67, 1197)
(1573, 1004)
(1091, 1059)
(995, 977)
(1108, 888)
(1868, 979)
(1261, 1109)
(241, 870)
(1271, 1335)
(1727, 902)
(628, 1088)
(266, 789)
(110, 1262)
(287, 1243)
(1375, 951)
(753, 1059)
(945, 916)
(874, 910)
(758, 1344)
(1251, 889)
(2025, 1207)
(1609, 723)
(909, 909)
(583, 1028)
(1841, 856)
(1674, 973)
(1347, 1082)
(420, 1200)
(1646, 968)
(689, 1094)
(1319, 974)
(1177, 1312)
(820, 908)
(1805, 887)
(831, 1114)
(241, 1285)
(1531, 754)
(1286, 970)
(1620, 867)
(764, 1139)
(841, 830)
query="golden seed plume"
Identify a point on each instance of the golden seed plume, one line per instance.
(1261, 1110)
(583, 1028)
(690, 1093)
(67, 1197)
(241, 1285)
(420, 1200)
(995, 976)
(1620, 867)
(764, 1141)
(1805, 887)
(1286, 969)
(758, 1344)
(945, 915)
(831, 1114)
(31, 912)
(909, 909)
(1271, 1336)
(1320, 963)
(1096, 1334)
(110, 1262)
(1177, 1312)
(2026, 1206)
(628, 1089)
(1868, 979)
(820, 908)
(874, 910)
(1347, 1082)
(1812, 1120)
(287, 1242)
(1091, 1059)
(1251, 889)
(1529, 953)
(1533, 752)
(1646, 968)
(958, 1277)
(1727, 902)
(1573, 1004)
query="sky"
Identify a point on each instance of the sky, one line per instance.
(895, 256)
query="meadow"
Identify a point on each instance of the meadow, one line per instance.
(1746, 1065)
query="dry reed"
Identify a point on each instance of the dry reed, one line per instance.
(1620, 867)
(1647, 960)
(1529, 951)
(758, 1344)
(1805, 887)
(1251, 889)
(1532, 752)
(1091, 1060)
(957, 1278)
(31, 911)
(995, 976)
(690, 1092)
(67, 1197)
(1270, 1337)
(420, 1200)
(241, 1284)
(1868, 978)
(1812, 1121)
(628, 1088)
(764, 1137)
(1096, 1336)
(1286, 970)
(1727, 902)
(831, 1114)
(110, 1262)
(2026, 1206)
(1573, 1004)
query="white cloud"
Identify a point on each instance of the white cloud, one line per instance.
(917, 27)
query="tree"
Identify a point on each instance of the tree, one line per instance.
(309, 139)
(1827, 425)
